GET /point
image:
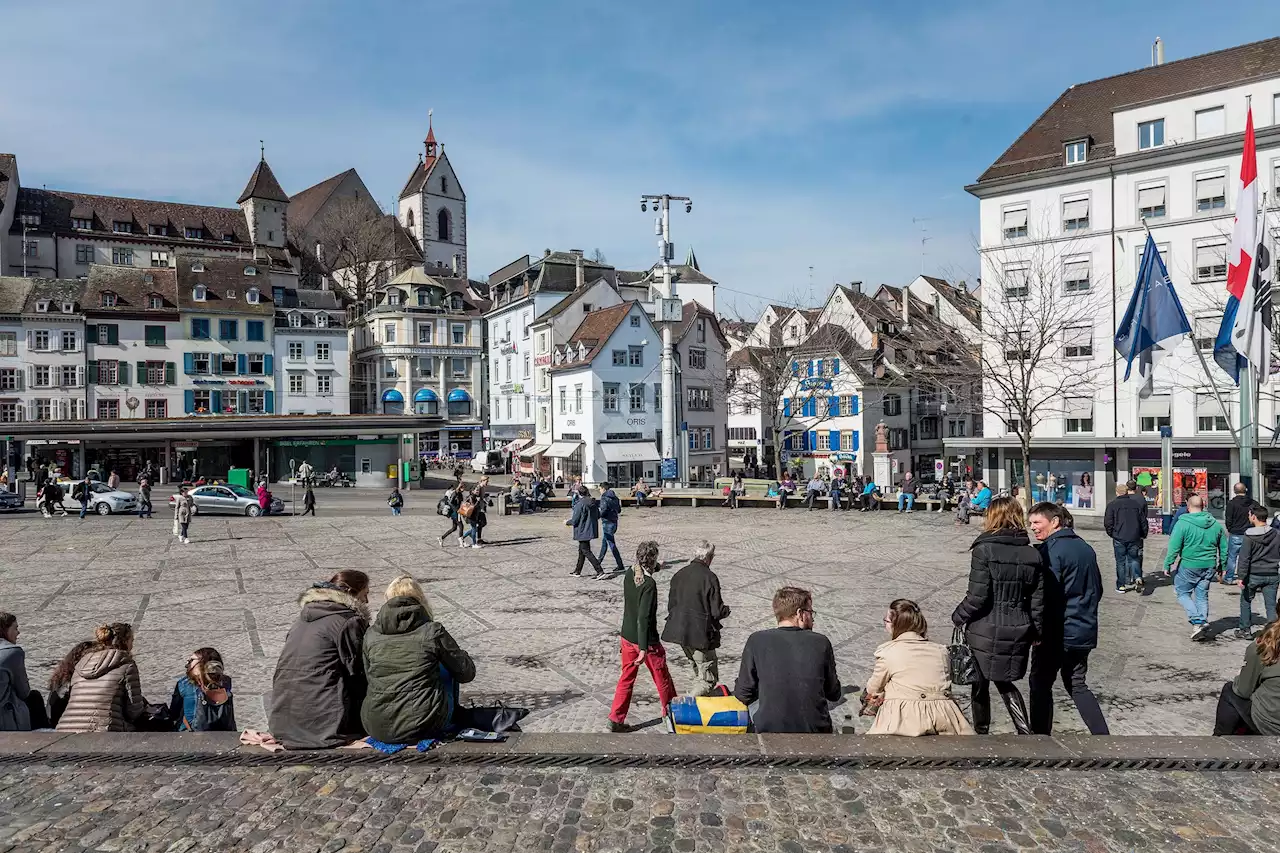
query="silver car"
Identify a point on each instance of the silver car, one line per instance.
(105, 500)
(228, 499)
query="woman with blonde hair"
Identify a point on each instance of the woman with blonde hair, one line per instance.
(202, 697)
(1003, 611)
(414, 668)
(106, 692)
(909, 692)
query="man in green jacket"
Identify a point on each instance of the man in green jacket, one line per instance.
(1199, 546)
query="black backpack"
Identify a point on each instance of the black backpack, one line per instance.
(213, 716)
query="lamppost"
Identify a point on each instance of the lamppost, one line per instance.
(668, 314)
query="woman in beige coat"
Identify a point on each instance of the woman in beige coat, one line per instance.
(910, 684)
(106, 693)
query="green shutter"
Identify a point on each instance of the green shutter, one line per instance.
(142, 373)
(123, 367)
(113, 334)
(170, 373)
(93, 373)
(91, 333)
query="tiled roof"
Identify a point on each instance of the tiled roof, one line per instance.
(1085, 110)
(132, 287)
(57, 291)
(565, 304)
(305, 204)
(692, 311)
(418, 177)
(226, 286)
(57, 208)
(263, 184)
(595, 330)
(13, 293)
(961, 300)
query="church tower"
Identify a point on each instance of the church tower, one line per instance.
(433, 208)
(266, 207)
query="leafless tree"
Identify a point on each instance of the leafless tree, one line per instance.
(357, 247)
(597, 256)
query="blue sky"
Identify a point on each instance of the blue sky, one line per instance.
(809, 134)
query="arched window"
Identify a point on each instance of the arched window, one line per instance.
(409, 218)
(443, 229)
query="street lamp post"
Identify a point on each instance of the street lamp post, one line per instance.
(669, 313)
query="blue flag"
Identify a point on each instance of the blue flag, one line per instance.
(1154, 315)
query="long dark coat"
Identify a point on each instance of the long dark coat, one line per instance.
(1004, 607)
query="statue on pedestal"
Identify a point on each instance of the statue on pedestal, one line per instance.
(882, 438)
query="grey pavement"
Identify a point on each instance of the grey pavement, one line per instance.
(544, 639)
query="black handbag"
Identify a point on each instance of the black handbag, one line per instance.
(961, 666)
(500, 719)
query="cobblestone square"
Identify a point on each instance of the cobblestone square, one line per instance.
(544, 639)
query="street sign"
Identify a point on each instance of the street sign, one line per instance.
(670, 469)
(939, 467)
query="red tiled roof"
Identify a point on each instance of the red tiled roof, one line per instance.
(595, 330)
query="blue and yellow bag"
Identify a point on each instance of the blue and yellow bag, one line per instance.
(709, 715)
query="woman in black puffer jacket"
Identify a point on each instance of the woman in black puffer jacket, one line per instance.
(1003, 612)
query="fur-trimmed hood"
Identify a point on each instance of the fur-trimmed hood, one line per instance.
(323, 600)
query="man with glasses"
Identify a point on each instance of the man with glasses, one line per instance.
(788, 673)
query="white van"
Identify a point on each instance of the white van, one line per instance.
(488, 462)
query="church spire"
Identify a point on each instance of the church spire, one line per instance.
(692, 260)
(430, 142)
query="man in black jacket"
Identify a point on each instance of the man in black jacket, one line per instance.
(1258, 570)
(1073, 591)
(788, 673)
(694, 613)
(1237, 521)
(1126, 523)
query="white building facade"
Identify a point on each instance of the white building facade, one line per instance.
(312, 353)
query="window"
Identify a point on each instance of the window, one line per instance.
(956, 428)
(159, 259)
(699, 399)
(1150, 134)
(1209, 417)
(322, 321)
(458, 331)
(256, 402)
(1076, 152)
(1151, 203)
(635, 356)
(297, 383)
(200, 291)
(42, 409)
(527, 364)
(1153, 413)
(254, 330)
(158, 230)
(425, 333)
(40, 341)
(443, 232)
(1015, 222)
(9, 413)
(564, 401)
(698, 359)
(108, 410)
(10, 379)
(509, 405)
(848, 405)
(324, 385)
(1079, 415)
(455, 302)
(1075, 215)
(323, 351)
(892, 404)
(1075, 275)
(1205, 330)
(122, 227)
(84, 253)
(444, 184)
(635, 396)
(122, 257)
(257, 364)
(458, 366)
(193, 233)
(200, 363)
(108, 373)
(657, 396)
(619, 358)
(41, 377)
(201, 401)
(1211, 261)
(577, 399)
(824, 440)
(153, 373)
(508, 363)
(393, 297)
(228, 330)
(295, 322)
(67, 377)
(8, 343)
(1211, 122)
(227, 364)
(1016, 285)
(1077, 342)
(70, 341)
(228, 238)
(389, 368)
(635, 321)
(1017, 346)
(1211, 193)
(81, 224)
(42, 306)
(459, 408)
(296, 350)
(156, 409)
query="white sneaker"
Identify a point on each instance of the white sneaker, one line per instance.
(1200, 632)
(186, 541)
(477, 545)
(462, 543)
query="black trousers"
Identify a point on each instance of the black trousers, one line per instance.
(1234, 715)
(39, 715)
(980, 693)
(456, 521)
(587, 553)
(310, 509)
(1073, 666)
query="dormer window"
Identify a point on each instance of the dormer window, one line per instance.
(393, 297)
(322, 321)
(455, 302)
(42, 306)
(81, 224)
(155, 301)
(108, 299)
(295, 320)
(250, 270)
(228, 238)
(1076, 152)
(68, 308)
(200, 293)
(122, 227)
(230, 293)
(194, 233)
(197, 267)
(251, 295)
(159, 230)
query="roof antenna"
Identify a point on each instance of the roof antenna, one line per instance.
(262, 150)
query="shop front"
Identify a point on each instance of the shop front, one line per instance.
(210, 458)
(65, 455)
(128, 458)
(628, 461)
(566, 457)
(1205, 471)
(1065, 477)
(350, 456)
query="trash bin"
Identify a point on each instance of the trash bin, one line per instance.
(238, 477)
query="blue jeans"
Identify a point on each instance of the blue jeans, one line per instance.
(1252, 588)
(395, 510)
(610, 529)
(1234, 544)
(473, 533)
(84, 508)
(910, 501)
(1192, 589)
(1128, 562)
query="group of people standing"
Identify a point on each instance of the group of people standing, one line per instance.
(466, 510)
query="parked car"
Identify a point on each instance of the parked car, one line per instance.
(488, 462)
(105, 500)
(227, 499)
(9, 501)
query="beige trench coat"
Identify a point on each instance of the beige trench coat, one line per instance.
(911, 674)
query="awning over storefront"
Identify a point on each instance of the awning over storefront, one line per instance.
(391, 395)
(513, 446)
(630, 451)
(562, 449)
(458, 395)
(535, 450)
(425, 395)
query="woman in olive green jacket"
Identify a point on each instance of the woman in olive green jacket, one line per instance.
(413, 667)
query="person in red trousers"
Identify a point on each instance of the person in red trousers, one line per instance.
(640, 639)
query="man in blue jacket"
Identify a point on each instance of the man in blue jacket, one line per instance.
(585, 522)
(610, 508)
(1070, 621)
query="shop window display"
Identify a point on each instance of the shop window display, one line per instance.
(1064, 481)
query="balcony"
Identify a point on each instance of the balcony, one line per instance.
(931, 408)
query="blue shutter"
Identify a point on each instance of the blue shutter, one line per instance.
(810, 367)
(188, 365)
(242, 364)
(795, 368)
(813, 440)
(835, 367)
(855, 411)
(269, 368)
(834, 439)
(271, 401)
(189, 398)
(855, 439)
(786, 407)
(820, 364)
(215, 401)
(833, 407)
(692, 441)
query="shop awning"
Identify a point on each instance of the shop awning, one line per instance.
(391, 395)
(630, 451)
(425, 395)
(562, 449)
(513, 446)
(458, 395)
(533, 450)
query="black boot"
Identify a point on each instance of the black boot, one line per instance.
(1017, 708)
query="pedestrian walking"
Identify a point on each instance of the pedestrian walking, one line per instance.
(639, 637)
(452, 506)
(1237, 521)
(80, 492)
(1125, 521)
(1198, 545)
(480, 512)
(144, 499)
(183, 509)
(585, 522)
(264, 499)
(395, 500)
(695, 612)
(1250, 705)
(1073, 589)
(610, 511)
(309, 501)
(1002, 613)
(1258, 570)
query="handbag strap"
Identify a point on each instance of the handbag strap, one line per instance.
(957, 636)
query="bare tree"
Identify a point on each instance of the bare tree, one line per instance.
(358, 247)
(597, 256)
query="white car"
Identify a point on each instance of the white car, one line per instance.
(105, 500)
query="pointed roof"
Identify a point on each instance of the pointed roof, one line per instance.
(305, 204)
(692, 260)
(263, 184)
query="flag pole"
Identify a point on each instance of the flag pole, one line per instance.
(1226, 413)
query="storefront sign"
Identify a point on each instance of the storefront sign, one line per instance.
(208, 382)
(318, 442)
(815, 384)
(670, 469)
(542, 360)
(635, 421)
(524, 433)
(845, 456)
(186, 448)
(246, 382)
(1200, 454)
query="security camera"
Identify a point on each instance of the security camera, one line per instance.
(644, 206)
(688, 207)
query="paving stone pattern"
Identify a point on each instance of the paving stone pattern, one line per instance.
(547, 640)
(409, 809)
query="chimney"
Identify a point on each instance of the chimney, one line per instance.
(856, 286)
(577, 253)
(1157, 52)
(456, 259)
(577, 269)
